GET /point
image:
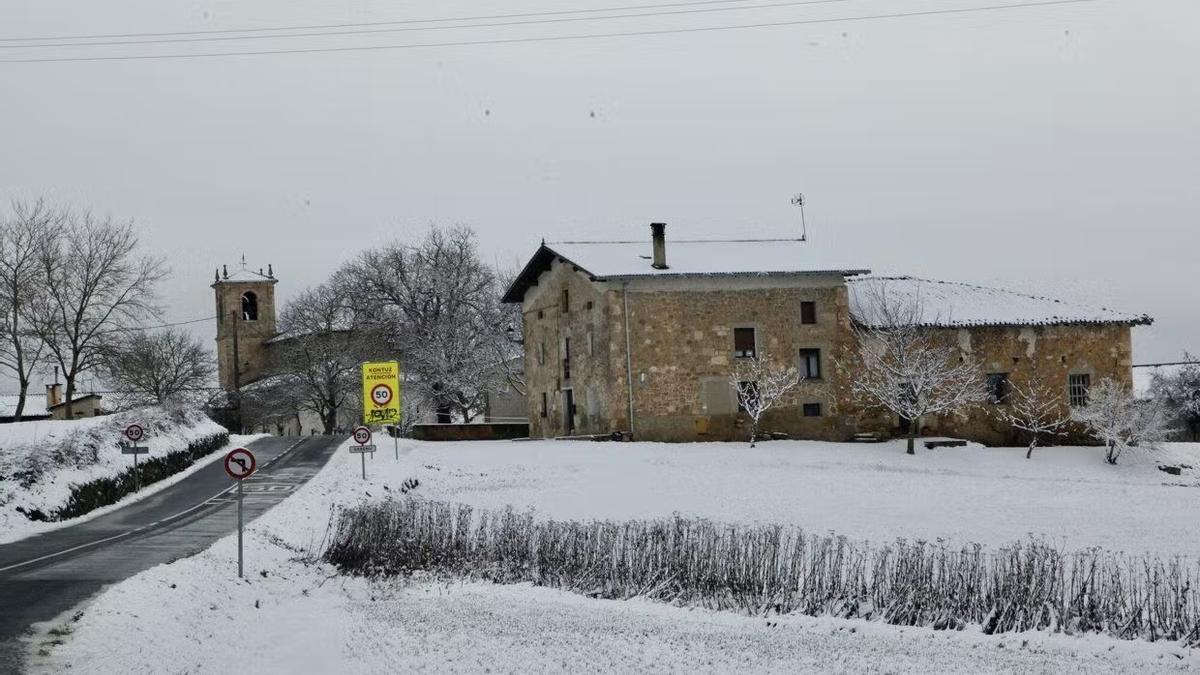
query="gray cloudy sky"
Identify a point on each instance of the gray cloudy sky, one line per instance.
(1048, 149)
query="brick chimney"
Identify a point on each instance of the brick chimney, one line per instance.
(53, 395)
(658, 233)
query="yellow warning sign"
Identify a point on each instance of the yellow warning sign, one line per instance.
(381, 392)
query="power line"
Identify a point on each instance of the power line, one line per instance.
(558, 38)
(370, 31)
(367, 24)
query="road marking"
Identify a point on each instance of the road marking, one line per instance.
(143, 528)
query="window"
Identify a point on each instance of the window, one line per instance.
(1077, 389)
(566, 358)
(541, 353)
(249, 306)
(566, 301)
(747, 394)
(998, 388)
(743, 343)
(589, 304)
(591, 344)
(540, 314)
(812, 409)
(808, 312)
(810, 364)
(544, 404)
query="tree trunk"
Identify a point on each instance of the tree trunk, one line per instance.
(1032, 445)
(913, 426)
(753, 432)
(24, 390)
(70, 400)
(1110, 457)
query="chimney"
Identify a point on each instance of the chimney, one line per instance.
(53, 395)
(658, 232)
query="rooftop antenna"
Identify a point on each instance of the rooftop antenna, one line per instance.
(798, 200)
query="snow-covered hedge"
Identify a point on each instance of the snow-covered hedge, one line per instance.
(772, 569)
(44, 463)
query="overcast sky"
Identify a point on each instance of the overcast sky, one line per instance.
(1048, 149)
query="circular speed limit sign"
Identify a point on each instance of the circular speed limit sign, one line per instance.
(381, 394)
(362, 435)
(134, 432)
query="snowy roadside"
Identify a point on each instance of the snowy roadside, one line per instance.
(19, 532)
(299, 617)
(62, 454)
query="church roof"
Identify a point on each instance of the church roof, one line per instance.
(616, 260)
(953, 304)
(224, 276)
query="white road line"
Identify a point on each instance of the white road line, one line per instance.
(143, 528)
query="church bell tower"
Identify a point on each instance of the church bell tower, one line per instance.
(245, 323)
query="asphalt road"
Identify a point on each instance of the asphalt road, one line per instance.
(46, 575)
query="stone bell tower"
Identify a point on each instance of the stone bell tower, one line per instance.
(245, 323)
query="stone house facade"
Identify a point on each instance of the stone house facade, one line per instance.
(641, 338)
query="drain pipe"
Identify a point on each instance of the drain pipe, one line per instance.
(628, 355)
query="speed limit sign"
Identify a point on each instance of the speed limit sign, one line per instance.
(362, 435)
(381, 394)
(134, 432)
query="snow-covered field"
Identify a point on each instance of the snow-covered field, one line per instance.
(297, 617)
(63, 452)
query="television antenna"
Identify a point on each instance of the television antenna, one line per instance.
(798, 200)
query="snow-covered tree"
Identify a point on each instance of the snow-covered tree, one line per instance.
(440, 303)
(98, 284)
(22, 239)
(1118, 420)
(320, 352)
(153, 368)
(761, 384)
(1180, 390)
(1035, 409)
(898, 363)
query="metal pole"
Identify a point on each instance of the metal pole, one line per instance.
(396, 444)
(363, 457)
(137, 477)
(240, 564)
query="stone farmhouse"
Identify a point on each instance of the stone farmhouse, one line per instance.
(641, 338)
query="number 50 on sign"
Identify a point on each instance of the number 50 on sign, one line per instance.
(381, 392)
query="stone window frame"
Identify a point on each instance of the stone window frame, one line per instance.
(803, 363)
(1072, 400)
(542, 353)
(250, 306)
(810, 303)
(733, 328)
(1004, 394)
(591, 343)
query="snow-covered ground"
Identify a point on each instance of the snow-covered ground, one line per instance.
(64, 452)
(194, 615)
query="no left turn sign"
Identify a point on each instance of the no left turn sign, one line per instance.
(239, 463)
(134, 433)
(362, 435)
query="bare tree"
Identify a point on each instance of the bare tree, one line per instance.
(98, 285)
(1180, 390)
(1035, 409)
(761, 384)
(897, 362)
(22, 239)
(440, 304)
(1115, 418)
(320, 352)
(153, 368)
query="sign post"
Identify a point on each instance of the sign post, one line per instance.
(362, 436)
(239, 464)
(135, 433)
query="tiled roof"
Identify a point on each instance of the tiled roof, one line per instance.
(951, 304)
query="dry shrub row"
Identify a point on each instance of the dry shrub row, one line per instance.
(763, 569)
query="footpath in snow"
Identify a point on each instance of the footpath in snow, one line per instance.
(300, 616)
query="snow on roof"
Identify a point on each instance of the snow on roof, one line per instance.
(946, 303)
(35, 404)
(633, 258)
(244, 275)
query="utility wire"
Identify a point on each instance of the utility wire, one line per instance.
(368, 31)
(368, 24)
(558, 38)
